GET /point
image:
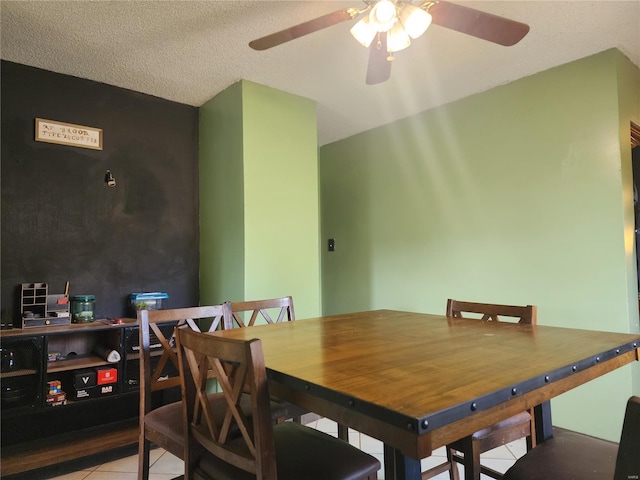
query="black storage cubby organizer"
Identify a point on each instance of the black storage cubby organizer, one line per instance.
(38, 308)
(33, 300)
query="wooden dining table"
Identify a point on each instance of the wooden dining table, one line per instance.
(418, 381)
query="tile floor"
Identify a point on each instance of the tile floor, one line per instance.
(165, 466)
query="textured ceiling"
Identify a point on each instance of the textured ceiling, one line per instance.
(188, 51)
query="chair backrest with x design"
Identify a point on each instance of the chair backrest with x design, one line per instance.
(245, 441)
(153, 377)
(269, 311)
(492, 312)
(260, 309)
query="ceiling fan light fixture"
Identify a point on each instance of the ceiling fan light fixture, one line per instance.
(415, 20)
(383, 15)
(397, 39)
(363, 32)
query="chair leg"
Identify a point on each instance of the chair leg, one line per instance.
(343, 432)
(453, 467)
(143, 458)
(472, 462)
(531, 439)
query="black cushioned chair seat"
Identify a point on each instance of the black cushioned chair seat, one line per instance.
(298, 447)
(568, 452)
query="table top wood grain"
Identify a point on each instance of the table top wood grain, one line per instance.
(419, 381)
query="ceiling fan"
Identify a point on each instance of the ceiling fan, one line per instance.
(387, 26)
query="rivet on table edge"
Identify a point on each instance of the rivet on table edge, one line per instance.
(352, 402)
(425, 424)
(574, 368)
(474, 406)
(547, 378)
(409, 426)
(307, 387)
(514, 390)
(597, 359)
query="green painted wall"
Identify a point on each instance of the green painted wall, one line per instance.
(221, 198)
(511, 196)
(281, 198)
(259, 175)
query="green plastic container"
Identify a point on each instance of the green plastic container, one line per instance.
(83, 308)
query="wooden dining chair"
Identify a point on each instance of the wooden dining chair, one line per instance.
(271, 311)
(492, 312)
(514, 428)
(572, 455)
(161, 423)
(262, 451)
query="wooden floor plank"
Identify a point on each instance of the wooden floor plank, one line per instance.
(43, 453)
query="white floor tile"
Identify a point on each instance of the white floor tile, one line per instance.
(80, 475)
(355, 439)
(327, 426)
(432, 461)
(370, 445)
(168, 463)
(440, 452)
(112, 476)
(518, 448)
(501, 452)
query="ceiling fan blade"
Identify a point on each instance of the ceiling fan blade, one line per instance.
(305, 28)
(379, 68)
(479, 24)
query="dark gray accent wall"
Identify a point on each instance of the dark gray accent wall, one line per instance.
(61, 222)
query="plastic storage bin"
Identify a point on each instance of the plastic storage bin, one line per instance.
(147, 301)
(83, 308)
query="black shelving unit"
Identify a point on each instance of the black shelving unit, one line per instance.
(77, 427)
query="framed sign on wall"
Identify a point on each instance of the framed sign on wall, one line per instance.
(68, 134)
